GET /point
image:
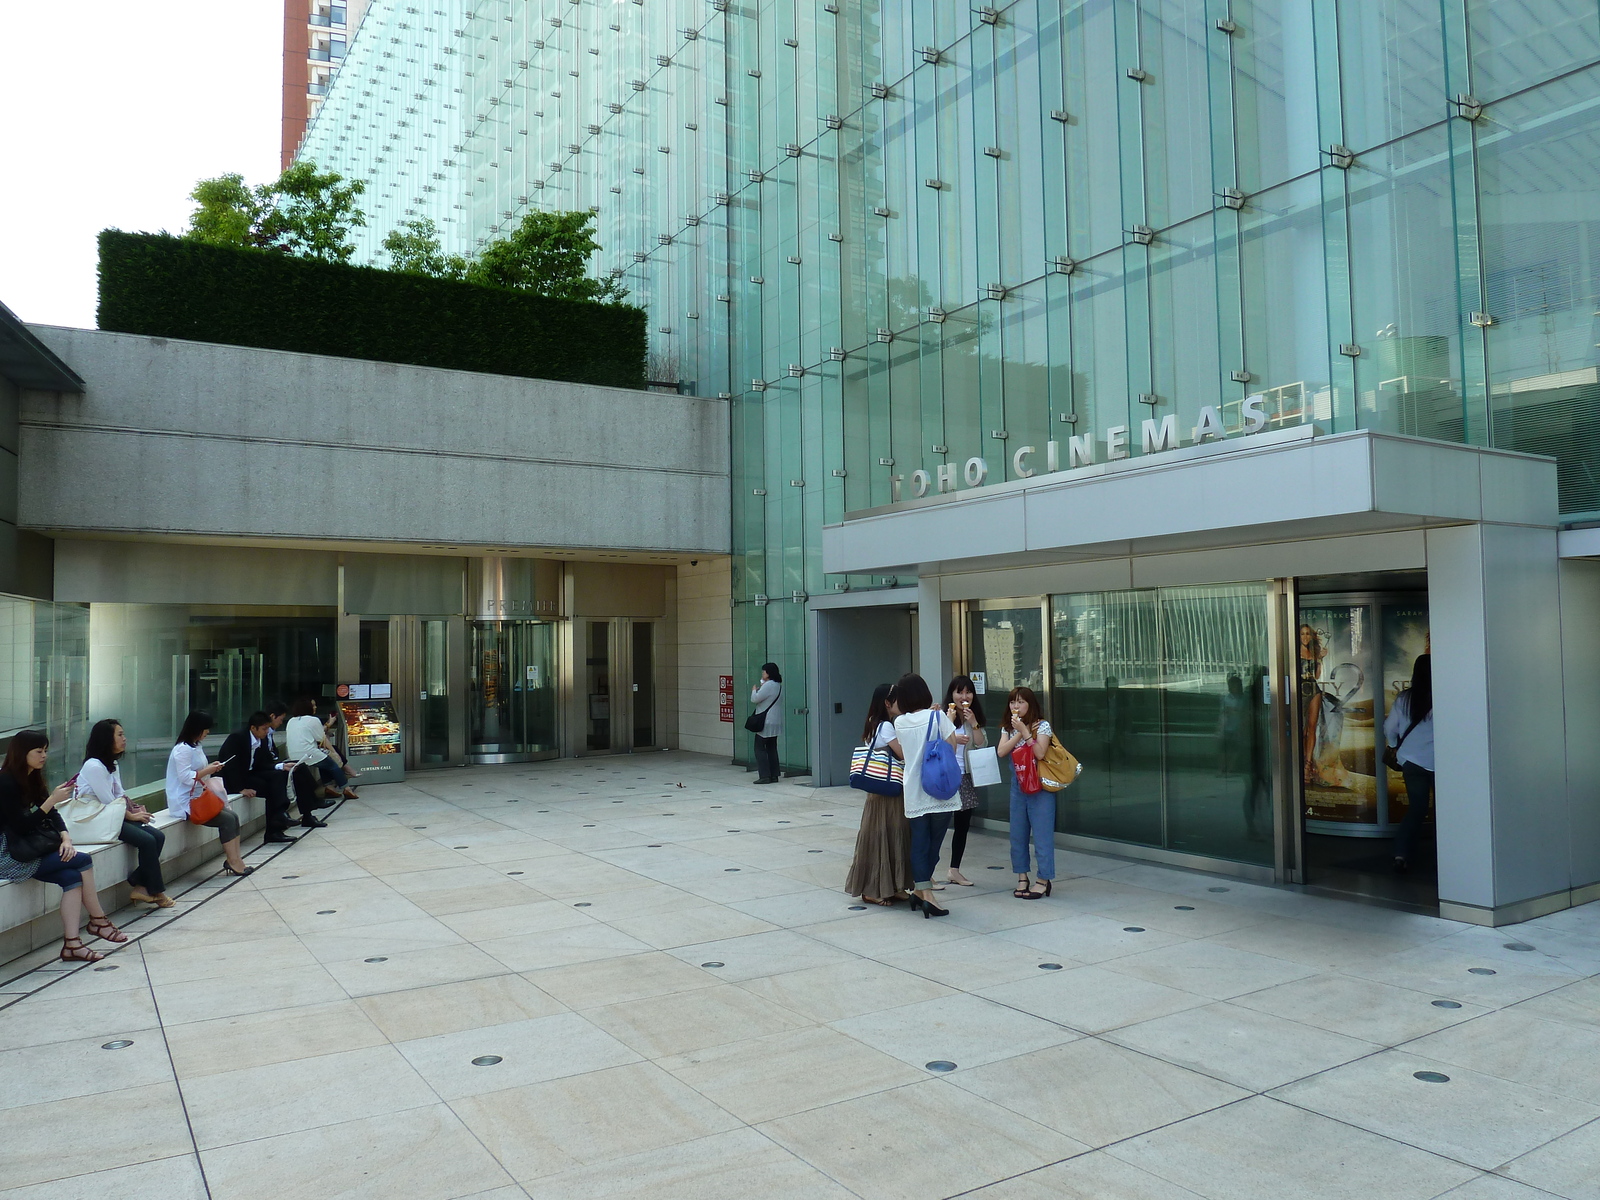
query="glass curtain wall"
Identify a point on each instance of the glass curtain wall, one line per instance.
(44, 677)
(899, 235)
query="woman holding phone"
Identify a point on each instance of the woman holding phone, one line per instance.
(189, 774)
(30, 823)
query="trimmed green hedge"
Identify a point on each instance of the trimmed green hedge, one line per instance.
(163, 286)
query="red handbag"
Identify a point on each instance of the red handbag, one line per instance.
(204, 806)
(1025, 768)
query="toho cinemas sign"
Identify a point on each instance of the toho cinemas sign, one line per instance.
(1155, 436)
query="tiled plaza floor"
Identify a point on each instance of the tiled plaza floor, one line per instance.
(683, 1004)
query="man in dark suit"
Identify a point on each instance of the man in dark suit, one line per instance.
(252, 770)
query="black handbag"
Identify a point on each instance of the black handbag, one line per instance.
(757, 721)
(34, 845)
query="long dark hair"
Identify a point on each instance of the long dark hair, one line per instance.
(1420, 707)
(772, 672)
(963, 683)
(877, 711)
(194, 728)
(1035, 712)
(103, 743)
(16, 765)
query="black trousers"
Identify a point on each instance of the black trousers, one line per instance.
(273, 787)
(766, 757)
(305, 790)
(958, 840)
(147, 840)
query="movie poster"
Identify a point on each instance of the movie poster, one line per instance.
(1337, 738)
(1405, 637)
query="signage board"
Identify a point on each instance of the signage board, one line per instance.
(725, 698)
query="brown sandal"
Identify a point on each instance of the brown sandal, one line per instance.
(881, 903)
(101, 927)
(79, 952)
(1022, 892)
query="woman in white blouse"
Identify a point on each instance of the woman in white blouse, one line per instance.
(188, 774)
(928, 815)
(101, 777)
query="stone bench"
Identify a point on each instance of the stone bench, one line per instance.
(28, 909)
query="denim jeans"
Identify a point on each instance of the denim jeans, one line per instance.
(927, 839)
(1033, 815)
(1419, 789)
(332, 773)
(147, 841)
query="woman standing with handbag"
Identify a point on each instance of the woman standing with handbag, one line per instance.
(34, 844)
(1033, 809)
(101, 777)
(766, 722)
(880, 873)
(962, 707)
(196, 794)
(916, 728)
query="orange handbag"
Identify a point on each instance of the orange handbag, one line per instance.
(205, 805)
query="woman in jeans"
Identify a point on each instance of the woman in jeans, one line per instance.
(102, 777)
(28, 809)
(1032, 813)
(188, 774)
(766, 697)
(880, 873)
(962, 707)
(929, 816)
(1410, 727)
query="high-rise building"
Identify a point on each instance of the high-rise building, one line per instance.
(1103, 347)
(316, 34)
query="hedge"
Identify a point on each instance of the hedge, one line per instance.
(164, 286)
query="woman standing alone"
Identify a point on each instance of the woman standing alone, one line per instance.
(765, 696)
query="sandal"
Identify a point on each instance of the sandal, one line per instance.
(102, 928)
(880, 903)
(1022, 892)
(1035, 894)
(79, 952)
(227, 870)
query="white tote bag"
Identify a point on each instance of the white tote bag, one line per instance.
(90, 823)
(984, 764)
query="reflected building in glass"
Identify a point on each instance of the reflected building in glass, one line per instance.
(1021, 304)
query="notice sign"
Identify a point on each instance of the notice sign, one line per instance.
(725, 697)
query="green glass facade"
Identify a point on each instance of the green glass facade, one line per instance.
(903, 234)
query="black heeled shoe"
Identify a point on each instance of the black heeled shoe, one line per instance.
(930, 909)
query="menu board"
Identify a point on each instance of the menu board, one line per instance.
(373, 735)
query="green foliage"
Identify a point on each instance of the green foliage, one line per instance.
(305, 212)
(414, 249)
(162, 286)
(548, 254)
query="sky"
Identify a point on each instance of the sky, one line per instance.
(121, 109)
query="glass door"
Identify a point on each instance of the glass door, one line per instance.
(642, 691)
(1004, 648)
(511, 684)
(434, 744)
(596, 683)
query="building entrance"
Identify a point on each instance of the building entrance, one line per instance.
(615, 686)
(1354, 656)
(511, 692)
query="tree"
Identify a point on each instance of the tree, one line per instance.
(547, 253)
(228, 212)
(414, 249)
(304, 212)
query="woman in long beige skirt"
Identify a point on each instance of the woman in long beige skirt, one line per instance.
(881, 870)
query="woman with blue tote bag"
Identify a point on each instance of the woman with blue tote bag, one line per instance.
(932, 782)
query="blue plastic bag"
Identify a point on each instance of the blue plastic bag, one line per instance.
(941, 773)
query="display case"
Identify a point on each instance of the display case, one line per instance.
(373, 736)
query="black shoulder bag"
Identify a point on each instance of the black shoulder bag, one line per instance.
(757, 721)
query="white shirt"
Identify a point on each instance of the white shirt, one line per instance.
(1418, 746)
(912, 730)
(105, 786)
(182, 766)
(305, 736)
(882, 737)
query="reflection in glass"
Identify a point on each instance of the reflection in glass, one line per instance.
(597, 684)
(511, 706)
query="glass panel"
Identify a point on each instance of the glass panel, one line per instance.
(374, 652)
(597, 684)
(1005, 649)
(435, 744)
(1215, 730)
(1159, 694)
(1106, 708)
(511, 693)
(644, 684)
(1405, 637)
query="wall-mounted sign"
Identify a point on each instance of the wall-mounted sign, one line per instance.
(725, 698)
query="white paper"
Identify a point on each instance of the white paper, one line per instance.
(984, 764)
